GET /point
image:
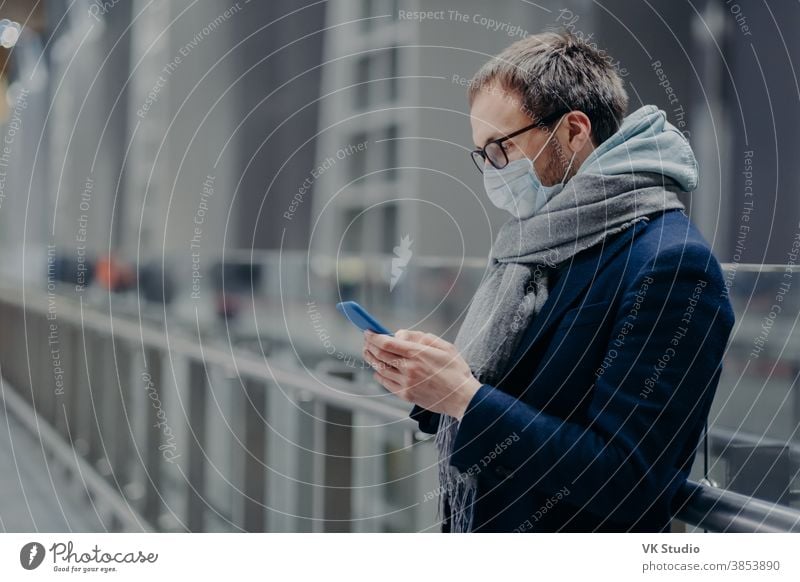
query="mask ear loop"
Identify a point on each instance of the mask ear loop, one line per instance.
(552, 133)
(569, 167)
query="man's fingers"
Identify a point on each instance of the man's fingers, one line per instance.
(382, 357)
(396, 345)
(428, 339)
(409, 343)
(390, 373)
(391, 385)
(435, 341)
(409, 334)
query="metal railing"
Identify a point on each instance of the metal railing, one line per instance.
(178, 435)
(718, 510)
(201, 438)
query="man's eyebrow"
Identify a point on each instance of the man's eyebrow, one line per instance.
(491, 138)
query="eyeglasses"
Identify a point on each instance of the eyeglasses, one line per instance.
(495, 151)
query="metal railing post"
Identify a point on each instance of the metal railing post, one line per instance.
(196, 502)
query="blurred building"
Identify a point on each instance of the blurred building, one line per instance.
(397, 83)
(344, 126)
(144, 123)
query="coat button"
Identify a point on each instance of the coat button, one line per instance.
(502, 471)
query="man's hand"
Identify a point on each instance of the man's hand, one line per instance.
(422, 368)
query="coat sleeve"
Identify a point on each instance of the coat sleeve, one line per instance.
(646, 407)
(428, 421)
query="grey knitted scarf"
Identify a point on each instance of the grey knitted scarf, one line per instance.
(590, 208)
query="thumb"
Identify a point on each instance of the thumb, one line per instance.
(409, 335)
(427, 339)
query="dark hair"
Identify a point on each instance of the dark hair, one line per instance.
(552, 71)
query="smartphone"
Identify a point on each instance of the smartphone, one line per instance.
(361, 318)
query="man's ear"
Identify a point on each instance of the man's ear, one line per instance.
(578, 128)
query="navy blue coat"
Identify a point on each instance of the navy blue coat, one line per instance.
(596, 425)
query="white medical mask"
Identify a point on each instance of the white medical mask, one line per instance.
(517, 188)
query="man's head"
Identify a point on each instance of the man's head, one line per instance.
(538, 78)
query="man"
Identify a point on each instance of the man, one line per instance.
(578, 385)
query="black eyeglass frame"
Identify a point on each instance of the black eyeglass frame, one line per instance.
(481, 152)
